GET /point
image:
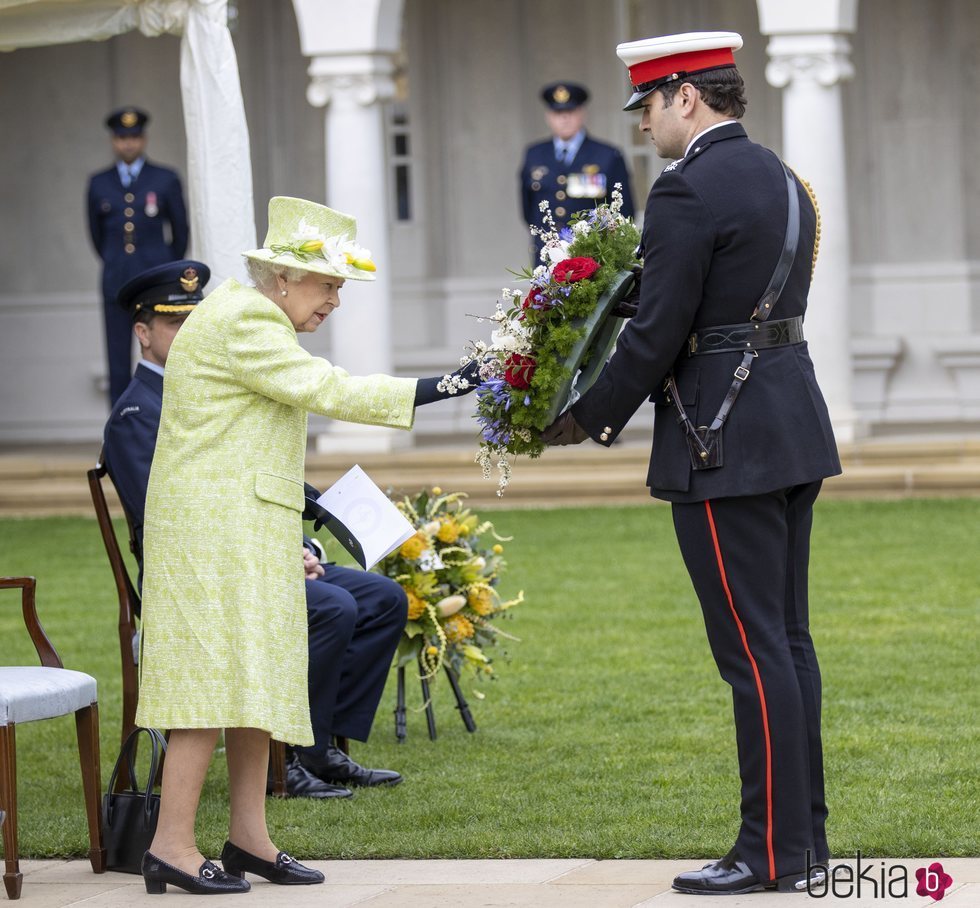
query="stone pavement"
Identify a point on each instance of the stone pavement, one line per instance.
(578, 883)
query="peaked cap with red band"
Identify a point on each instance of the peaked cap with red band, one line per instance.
(653, 62)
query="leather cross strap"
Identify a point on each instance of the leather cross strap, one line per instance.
(745, 336)
(763, 309)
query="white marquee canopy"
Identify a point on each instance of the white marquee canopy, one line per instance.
(219, 169)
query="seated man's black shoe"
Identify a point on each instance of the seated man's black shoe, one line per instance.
(284, 870)
(732, 876)
(210, 879)
(301, 783)
(336, 767)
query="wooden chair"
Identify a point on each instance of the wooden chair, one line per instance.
(28, 694)
(129, 609)
(129, 603)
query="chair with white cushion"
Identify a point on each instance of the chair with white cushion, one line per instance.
(29, 693)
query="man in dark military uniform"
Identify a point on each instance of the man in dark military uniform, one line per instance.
(570, 171)
(356, 618)
(128, 206)
(729, 237)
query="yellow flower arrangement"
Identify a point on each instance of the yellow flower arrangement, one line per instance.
(449, 570)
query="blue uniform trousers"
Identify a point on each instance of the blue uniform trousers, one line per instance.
(355, 621)
(748, 559)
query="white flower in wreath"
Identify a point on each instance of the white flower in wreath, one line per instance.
(510, 338)
(555, 252)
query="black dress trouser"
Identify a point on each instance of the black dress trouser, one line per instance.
(748, 559)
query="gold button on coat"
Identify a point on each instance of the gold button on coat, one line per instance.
(560, 196)
(560, 211)
(562, 179)
(129, 226)
(129, 212)
(607, 429)
(129, 197)
(604, 437)
(130, 248)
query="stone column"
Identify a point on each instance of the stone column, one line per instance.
(351, 88)
(809, 69)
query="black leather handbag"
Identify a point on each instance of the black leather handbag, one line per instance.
(129, 818)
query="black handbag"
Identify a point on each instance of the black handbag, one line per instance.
(129, 818)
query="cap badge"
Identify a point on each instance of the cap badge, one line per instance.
(561, 94)
(129, 119)
(189, 280)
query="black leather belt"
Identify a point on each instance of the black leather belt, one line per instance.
(745, 336)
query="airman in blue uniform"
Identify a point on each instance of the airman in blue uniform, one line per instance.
(571, 171)
(137, 219)
(355, 618)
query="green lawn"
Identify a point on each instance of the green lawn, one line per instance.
(608, 732)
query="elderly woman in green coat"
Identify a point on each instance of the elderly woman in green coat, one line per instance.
(224, 642)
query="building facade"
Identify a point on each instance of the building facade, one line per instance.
(412, 115)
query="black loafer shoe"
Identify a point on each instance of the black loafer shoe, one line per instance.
(301, 783)
(285, 871)
(732, 876)
(729, 876)
(336, 767)
(210, 879)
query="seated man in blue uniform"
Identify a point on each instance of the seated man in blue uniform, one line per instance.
(355, 618)
(571, 171)
(132, 207)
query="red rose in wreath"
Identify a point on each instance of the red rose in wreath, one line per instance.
(519, 370)
(571, 270)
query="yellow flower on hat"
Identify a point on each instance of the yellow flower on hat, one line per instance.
(365, 264)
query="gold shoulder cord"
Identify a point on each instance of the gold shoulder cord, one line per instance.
(816, 211)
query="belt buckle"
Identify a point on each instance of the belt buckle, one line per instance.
(692, 344)
(741, 373)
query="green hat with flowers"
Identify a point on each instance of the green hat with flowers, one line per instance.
(313, 238)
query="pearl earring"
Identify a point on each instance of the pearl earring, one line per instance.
(283, 293)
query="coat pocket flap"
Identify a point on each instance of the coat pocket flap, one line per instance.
(279, 490)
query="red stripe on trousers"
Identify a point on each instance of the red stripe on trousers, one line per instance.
(758, 686)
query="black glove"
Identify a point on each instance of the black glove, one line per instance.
(564, 431)
(311, 510)
(629, 304)
(426, 391)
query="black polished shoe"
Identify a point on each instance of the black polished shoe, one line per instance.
(285, 871)
(301, 783)
(336, 767)
(210, 879)
(732, 876)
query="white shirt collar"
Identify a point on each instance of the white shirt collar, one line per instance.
(153, 367)
(573, 144)
(133, 168)
(703, 131)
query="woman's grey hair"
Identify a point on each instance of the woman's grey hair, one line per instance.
(263, 274)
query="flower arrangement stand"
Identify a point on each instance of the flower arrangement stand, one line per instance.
(401, 725)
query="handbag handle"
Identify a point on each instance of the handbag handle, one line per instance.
(158, 745)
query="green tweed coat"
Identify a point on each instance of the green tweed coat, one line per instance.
(224, 605)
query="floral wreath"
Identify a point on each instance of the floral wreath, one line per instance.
(524, 370)
(449, 570)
